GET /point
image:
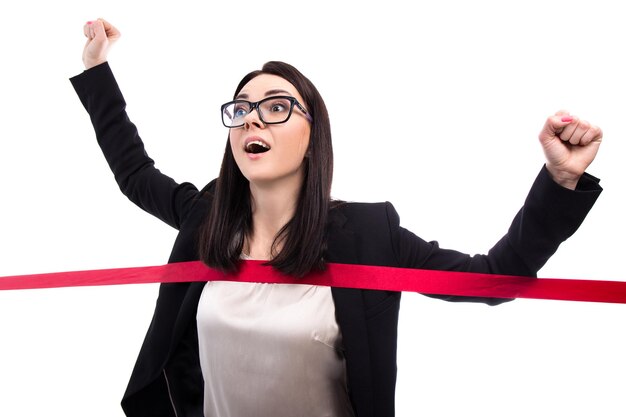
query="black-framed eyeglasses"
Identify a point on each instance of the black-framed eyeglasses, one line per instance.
(271, 110)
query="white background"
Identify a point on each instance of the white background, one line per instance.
(434, 106)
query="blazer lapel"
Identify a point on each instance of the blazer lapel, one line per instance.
(350, 314)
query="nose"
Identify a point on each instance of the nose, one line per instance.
(253, 119)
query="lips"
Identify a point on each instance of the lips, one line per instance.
(256, 145)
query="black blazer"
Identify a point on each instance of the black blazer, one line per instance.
(167, 380)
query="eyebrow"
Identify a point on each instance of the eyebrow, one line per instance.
(267, 93)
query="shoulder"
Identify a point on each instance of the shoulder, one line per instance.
(368, 224)
(356, 213)
(192, 220)
(205, 196)
(199, 202)
(208, 191)
(363, 233)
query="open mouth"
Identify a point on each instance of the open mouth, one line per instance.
(257, 146)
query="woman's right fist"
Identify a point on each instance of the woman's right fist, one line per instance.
(100, 36)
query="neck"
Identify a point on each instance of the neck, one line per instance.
(273, 205)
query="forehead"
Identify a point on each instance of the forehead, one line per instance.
(265, 85)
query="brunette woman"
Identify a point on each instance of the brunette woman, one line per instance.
(241, 349)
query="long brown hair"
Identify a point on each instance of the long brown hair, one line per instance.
(303, 238)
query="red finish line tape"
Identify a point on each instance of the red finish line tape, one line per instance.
(341, 275)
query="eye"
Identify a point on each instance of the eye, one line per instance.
(240, 110)
(277, 105)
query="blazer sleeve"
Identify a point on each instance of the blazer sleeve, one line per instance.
(124, 150)
(549, 216)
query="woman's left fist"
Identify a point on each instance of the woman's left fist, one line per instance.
(570, 145)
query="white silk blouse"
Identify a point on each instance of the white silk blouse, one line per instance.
(271, 350)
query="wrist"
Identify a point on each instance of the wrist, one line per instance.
(563, 178)
(93, 63)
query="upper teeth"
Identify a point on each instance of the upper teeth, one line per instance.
(257, 142)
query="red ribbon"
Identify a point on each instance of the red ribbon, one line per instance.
(341, 275)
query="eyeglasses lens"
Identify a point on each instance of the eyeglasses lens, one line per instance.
(271, 110)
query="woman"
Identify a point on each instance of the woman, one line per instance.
(236, 349)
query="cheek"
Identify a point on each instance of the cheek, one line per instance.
(295, 143)
(235, 151)
(233, 141)
(303, 143)
(302, 148)
(232, 138)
